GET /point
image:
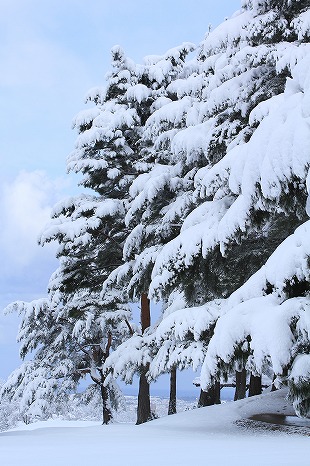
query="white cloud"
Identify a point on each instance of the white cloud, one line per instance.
(25, 207)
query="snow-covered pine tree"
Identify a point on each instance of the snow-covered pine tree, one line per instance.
(183, 134)
(90, 230)
(154, 192)
(90, 227)
(157, 196)
(246, 208)
(245, 70)
(266, 323)
(62, 350)
(9, 412)
(40, 385)
(268, 174)
(145, 212)
(164, 196)
(143, 96)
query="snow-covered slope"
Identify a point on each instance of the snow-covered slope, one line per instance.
(208, 436)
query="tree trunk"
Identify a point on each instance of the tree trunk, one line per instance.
(211, 396)
(240, 391)
(255, 387)
(106, 410)
(145, 316)
(144, 406)
(172, 409)
(217, 393)
(98, 357)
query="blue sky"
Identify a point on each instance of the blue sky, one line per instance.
(52, 52)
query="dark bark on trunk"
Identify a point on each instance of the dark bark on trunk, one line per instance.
(106, 410)
(255, 387)
(217, 393)
(145, 312)
(172, 409)
(144, 406)
(240, 391)
(211, 397)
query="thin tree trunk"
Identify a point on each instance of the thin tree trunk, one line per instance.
(172, 409)
(210, 397)
(145, 312)
(240, 391)
(144, 406)
(98, 357)
(255, 387)
(106, 410)
(107, 413)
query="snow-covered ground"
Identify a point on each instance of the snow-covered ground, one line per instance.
(210, 436)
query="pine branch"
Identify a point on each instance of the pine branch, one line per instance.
(129, 327)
